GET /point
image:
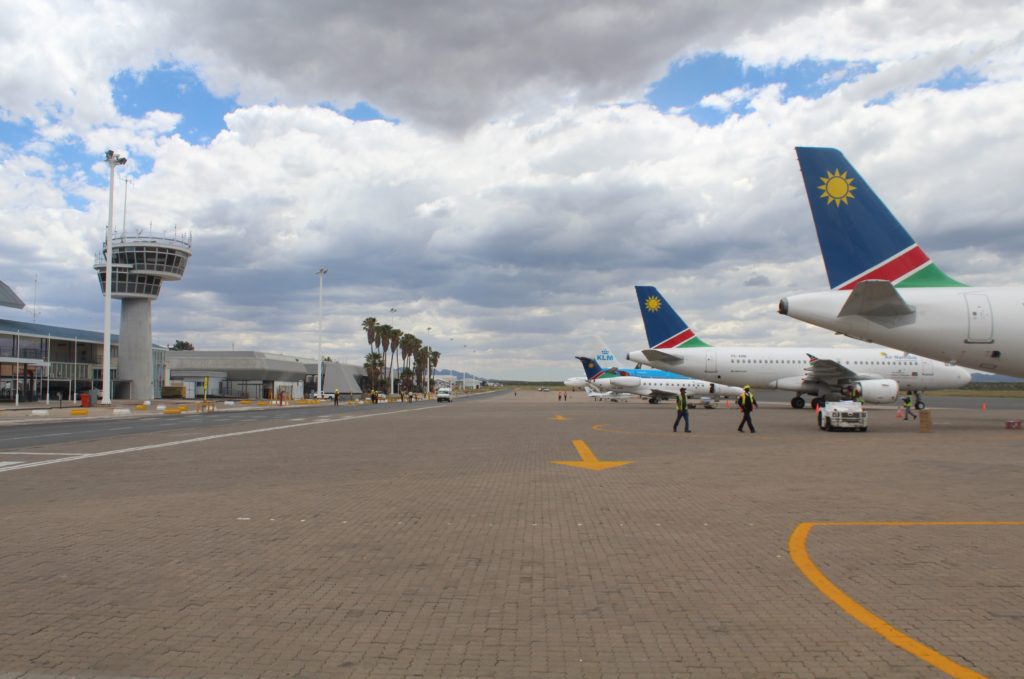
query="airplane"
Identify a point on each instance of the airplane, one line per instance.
(613, 396)
(876, 375)
(604, 357)
(654, 385)
(886, 289)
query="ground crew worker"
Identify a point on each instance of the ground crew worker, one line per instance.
(337, 396)
(747, 403)
(908, 408)
(682, 410)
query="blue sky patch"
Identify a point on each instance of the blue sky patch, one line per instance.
(173, 89)
(687, 83)
(955, 79)
(363, 111)
(16, 135)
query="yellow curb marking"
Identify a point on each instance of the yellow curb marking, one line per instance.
(588, 460)
(798, 553)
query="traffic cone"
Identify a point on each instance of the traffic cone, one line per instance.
(984, 408)
(817, 408)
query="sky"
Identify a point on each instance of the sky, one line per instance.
(494, 177)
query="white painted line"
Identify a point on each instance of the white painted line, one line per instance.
(7, 464)
(37, 436)
(214, 437)
(11, 452)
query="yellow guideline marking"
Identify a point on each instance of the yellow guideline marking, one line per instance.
(798, 552)
(559, 418)
(588, 460)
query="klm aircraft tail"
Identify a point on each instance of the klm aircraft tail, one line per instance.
(860, 239)
(665, 329)
(591, 368)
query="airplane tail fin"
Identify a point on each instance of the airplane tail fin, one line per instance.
(665, 329)
(605, 355)
(590, 367)
(859, 238)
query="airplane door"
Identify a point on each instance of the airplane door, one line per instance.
(711, 362)
(979, 318)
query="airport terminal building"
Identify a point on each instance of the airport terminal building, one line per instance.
(50, 363)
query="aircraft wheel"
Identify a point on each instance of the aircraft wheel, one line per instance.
(919, 405)
(797, 402)
(652, 401)
(817, 402)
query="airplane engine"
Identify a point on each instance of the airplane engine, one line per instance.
(878, 391)
(629, 382)
(575, 382)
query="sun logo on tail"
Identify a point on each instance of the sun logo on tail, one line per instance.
(652, 304)
(837, 188)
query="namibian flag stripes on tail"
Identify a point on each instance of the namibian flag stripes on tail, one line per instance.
(859, 238)
(665, 329)
(675, 340)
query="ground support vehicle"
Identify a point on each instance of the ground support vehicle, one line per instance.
(834, 415)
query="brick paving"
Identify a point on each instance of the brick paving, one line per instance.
(443, 543)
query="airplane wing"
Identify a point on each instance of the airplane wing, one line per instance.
(663, 393)
(876, 300)
(832, 372)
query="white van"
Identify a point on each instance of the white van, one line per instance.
(444, 394)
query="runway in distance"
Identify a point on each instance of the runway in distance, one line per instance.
(885, 289)
(877, 375)
(654, 385)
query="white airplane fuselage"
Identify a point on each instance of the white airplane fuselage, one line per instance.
(788, 369)
(975, 327)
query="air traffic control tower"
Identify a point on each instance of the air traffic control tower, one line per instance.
(139, 265)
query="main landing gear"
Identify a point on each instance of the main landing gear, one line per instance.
(799, 402)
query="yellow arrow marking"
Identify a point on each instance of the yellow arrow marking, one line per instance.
(798, 553)
(588, 460)
(559, 418)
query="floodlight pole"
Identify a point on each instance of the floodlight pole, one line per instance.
(319, 338)
(113, 160)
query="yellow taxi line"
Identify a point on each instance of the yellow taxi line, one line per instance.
(798, 553)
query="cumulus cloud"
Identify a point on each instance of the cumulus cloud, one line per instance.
(525, 190)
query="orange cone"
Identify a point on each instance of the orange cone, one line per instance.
(984, 408)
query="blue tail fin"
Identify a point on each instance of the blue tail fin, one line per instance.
(859, 238)
(665, 329)
(590, 367)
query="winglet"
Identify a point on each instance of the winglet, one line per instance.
(665, 329)
(859, 238)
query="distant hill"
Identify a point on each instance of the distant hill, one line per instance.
(981, 378)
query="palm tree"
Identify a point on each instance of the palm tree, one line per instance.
(435, 356)
(370, 326)
(396, 337)
(422, 356)
(372, 363)
(383, 346)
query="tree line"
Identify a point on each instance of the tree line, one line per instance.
(417, 360)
